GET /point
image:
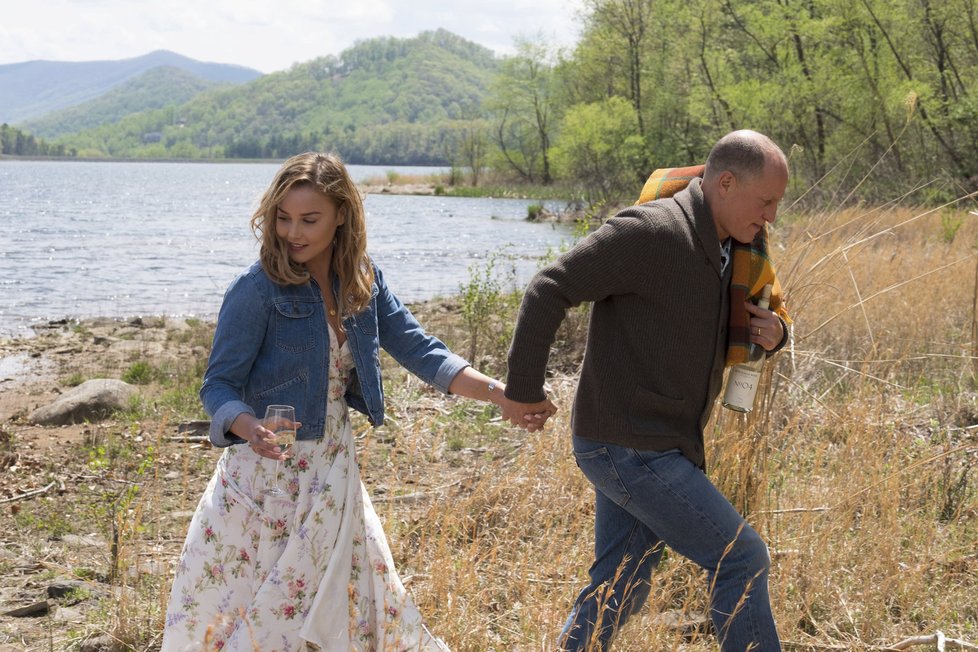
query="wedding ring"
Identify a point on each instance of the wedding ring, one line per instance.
(758, 332)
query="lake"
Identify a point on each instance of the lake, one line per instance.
(121, 239)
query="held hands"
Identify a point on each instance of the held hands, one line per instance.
(766, 328)
(529, 416)
(475, 384)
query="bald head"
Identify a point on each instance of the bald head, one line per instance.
(745, 179)
(744, 154)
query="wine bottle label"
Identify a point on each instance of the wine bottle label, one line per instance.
(741, 388)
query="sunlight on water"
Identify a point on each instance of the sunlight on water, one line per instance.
(85, 239)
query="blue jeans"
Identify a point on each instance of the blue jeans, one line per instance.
(648, 499)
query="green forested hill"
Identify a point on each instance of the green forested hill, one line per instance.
(156, 88)
(383, 101)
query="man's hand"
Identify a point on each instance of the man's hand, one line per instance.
(529, 416)
(765, 327)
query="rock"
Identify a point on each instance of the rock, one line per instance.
(124, 594)
(103, 643)
(66, 615)
(140, 347)
(174, 324)
(151, 567)
(23, 566)
(36, 609)
(90, 541)
(91, 401)
(61, 588)
(54, 324)
(687, 623)
(194, 428)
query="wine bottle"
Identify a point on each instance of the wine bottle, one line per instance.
(744, 377)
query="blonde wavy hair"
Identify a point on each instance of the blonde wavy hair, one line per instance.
(327, 174)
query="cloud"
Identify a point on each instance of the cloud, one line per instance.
(264, 34)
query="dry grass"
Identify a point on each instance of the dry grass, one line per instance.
(858, 468)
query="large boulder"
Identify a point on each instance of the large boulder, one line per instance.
(91, 401)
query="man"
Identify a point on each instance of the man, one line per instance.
(660, 282)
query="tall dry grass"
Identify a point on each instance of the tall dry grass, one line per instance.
(858, 467)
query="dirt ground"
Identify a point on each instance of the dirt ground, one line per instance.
(92, 516)
(56, 495)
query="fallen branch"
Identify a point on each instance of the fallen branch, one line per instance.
(794, 510)
(943, 643)
(29, 494)
(797, 645)
(104, 479)
(190, 439)
(415, 497)
(534, 580)
(937, 639)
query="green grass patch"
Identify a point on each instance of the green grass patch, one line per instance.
(73, 380)
(140, 373)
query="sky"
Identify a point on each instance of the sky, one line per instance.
(267, 35)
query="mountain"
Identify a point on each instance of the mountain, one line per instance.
(384, 101)
(154, 89)
(33, 88)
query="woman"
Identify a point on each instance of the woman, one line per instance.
(303, 327)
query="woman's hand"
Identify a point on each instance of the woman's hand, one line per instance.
(260, 439)
(529, 416)
(474, 384)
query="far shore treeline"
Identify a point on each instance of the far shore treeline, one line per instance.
(873, 96)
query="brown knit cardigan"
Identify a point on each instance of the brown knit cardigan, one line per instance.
(657, 339)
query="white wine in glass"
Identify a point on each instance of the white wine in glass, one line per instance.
(280, 419)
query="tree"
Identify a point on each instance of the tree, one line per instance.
(599, 150)
(646, 52)
(523, 105)
(629, 21)
(472, 147)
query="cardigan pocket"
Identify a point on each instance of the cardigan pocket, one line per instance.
(650, 413)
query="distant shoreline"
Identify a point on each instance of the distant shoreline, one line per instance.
(368, 187)
(116, 159)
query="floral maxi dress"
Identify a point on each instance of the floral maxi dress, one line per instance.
(307, 569)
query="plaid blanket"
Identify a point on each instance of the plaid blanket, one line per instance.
(752, 268)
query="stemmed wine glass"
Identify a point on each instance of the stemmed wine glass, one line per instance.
(280, 419)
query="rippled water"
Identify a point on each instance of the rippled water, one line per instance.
(118, 239)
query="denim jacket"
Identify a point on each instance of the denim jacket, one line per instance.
(271, 346)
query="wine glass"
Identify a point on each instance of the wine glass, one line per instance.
(280, 419)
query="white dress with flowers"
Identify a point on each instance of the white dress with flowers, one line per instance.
(292, 572)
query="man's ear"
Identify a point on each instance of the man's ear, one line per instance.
(726, 182)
